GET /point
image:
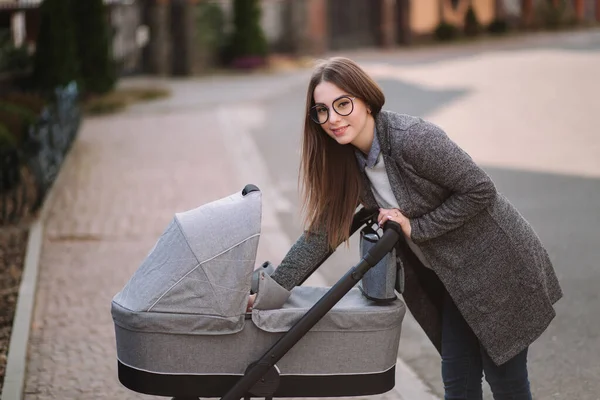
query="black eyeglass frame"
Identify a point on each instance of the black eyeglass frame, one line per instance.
(316, 121)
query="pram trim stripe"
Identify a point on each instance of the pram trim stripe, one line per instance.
(281, 374)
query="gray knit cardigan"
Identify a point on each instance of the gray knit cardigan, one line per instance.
(481, 250)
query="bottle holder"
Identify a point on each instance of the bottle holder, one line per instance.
(379, 282)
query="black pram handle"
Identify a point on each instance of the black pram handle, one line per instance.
(392, 233)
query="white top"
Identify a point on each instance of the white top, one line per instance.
(382, 190)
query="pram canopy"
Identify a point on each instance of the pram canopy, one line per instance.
(194, 268)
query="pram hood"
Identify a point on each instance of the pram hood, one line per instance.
(196, 279)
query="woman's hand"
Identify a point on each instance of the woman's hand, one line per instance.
(251, 299)
(393, 214)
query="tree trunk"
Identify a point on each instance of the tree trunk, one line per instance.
(388, 23)
(499, 9)
(404, 26)
(526, 13)
(580, 10)
(157, 53)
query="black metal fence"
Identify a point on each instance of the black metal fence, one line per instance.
(27, 173)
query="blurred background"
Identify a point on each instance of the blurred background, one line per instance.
(80, 50)
(114, 114)
(185, 37)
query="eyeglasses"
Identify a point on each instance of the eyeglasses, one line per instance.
(343, 106)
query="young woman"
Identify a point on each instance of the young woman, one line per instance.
(477, 278)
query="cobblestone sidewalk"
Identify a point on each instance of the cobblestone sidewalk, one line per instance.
(124, 180)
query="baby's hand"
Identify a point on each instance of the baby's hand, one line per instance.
(251, 299)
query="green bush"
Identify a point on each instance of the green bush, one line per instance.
(10, 160)
(15, 124)
(55, 62)
(471, 24)
(12, 58)
(16, 120)
(498, 26)
(97, 69)
(30, 101)
(7, 140)
(445, 31)
(120, 99)
(102, 105)
(210, 32)
(248, 42)
(22, 112)
(18, 59)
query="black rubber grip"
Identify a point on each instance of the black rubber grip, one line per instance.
(392, 232)
(249, 188)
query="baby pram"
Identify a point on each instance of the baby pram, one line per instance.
(182, 329)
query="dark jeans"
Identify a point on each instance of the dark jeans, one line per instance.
(464, 360)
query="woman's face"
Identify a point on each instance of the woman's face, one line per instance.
(355, 128)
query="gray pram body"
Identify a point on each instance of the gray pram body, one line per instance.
(182, 329)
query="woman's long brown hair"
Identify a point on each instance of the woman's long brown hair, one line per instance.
(330, 180)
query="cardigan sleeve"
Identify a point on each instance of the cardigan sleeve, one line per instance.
(435, 157)
(301, 259)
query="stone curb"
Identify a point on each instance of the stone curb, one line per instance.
(16, 363)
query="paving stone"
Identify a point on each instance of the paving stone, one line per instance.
(124, 179)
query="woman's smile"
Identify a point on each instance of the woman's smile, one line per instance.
(339, 131)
